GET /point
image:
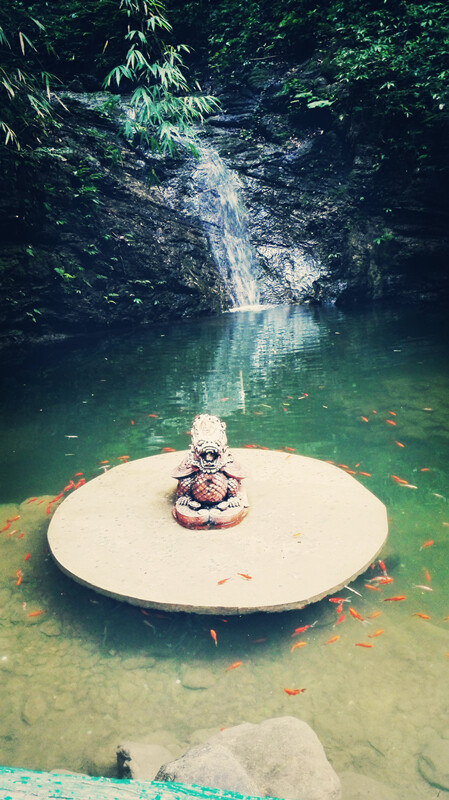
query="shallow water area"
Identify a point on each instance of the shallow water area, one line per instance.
(90, 672)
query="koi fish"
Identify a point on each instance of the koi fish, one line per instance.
(296, 645)
(373, 588)
(365, 419)
(290, 449)
(355, 614)
(385, 579)
(13, 519)
(131, 422)
(294, 691)
(393, 413)
(390, 422)
(332, 639)
(422, 616)
(304, 394)
(214, 636)
(168, 450)
(422, 586)
(154, 416)
(363, 644)
(366, 474)
(122, 458)
(31, 500)
(374, 615)
(77, 474)
(376, 633)
(429, 543)
(223, 580)
(102, 462)
(243, 575)
(234, 665)
(425, 469)
(341, 618)
(19, 577)
(427, 575)
(399, 444)
(27, 555)
(36, 613)
(5, 527)
(394, 599)
(382, 566)
(336, 600)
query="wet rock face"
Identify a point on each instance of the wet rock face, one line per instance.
(106, 245)
(109, 235)
(326, 222)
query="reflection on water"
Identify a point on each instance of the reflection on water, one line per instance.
(90, 672)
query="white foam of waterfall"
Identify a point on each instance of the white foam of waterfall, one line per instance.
(219, 206)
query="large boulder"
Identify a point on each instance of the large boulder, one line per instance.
(279, 757)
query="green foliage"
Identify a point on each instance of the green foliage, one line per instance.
(394, 59)
(162, 107)
(25, 109)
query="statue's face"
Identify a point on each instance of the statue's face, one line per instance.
(208, 442)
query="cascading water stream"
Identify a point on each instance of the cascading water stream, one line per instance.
(219, 207)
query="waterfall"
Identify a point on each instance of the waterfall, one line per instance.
(219, 206)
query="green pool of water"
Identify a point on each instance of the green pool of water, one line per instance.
(89, 672)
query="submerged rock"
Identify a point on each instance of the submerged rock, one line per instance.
(197, 678)
(433, 763)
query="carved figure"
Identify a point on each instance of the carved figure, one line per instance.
(209, 493)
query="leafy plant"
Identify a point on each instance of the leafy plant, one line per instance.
(162, 108)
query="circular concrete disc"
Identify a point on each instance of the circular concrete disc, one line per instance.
(310, 529)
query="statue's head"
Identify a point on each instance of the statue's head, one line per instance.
(209, 443)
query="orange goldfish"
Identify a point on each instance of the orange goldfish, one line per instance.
(363, 644)
(234, 665)
(294, 691)
(376, 633)
(332, 639)
(355, 614)
(300, 630)
(296, 645)
(394, 599)
(214, 636)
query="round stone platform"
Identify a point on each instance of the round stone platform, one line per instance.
(311, 529)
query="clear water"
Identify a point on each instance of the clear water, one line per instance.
(91, 672)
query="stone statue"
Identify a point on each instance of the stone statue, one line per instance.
(209, 493)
